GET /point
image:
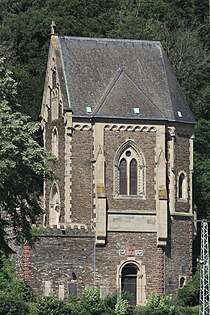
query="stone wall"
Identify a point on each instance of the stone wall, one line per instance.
(59, 165)
(81, 177)
(61, 260)
(178, 252)
(146, 143)
(65, 259)
(182, 160)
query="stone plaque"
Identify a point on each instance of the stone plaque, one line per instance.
(104, 291)
(130, 251)
(132, 222)
(72, 289)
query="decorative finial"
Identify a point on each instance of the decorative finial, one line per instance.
(53, 28)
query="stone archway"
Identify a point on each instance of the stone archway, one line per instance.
(129, 280)
(132, 279)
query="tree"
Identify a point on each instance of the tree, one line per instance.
(202, 166)
(22, 166)
(190, 59)
(25, 33)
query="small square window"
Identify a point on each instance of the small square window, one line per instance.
(88, 110)
(136, 110)
(179, 114)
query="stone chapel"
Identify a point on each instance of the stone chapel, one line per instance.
(119, 215)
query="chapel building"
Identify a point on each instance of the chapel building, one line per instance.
(119, 215)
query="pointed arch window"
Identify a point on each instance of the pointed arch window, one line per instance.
(133, 177)
(54, 95)
(129, 172)
(182, 186)
(54, 79)
(123, 177)
(55, 142)
(54, 206)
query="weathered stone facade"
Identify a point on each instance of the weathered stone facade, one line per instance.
(119, 214)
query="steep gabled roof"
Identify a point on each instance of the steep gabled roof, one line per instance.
(113, 77)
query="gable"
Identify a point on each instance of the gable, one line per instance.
(122, 96)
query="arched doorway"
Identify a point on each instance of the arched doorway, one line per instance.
(131, 277)
(129, 280)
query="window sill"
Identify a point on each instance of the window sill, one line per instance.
(182, 200)
(125, 197)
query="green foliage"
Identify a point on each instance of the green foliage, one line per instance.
(14, 293)
(9, 305)
(22, 166)
(122, 307)
(36, 232)
(201, 168)
(90, 302)
(49, 305)
(188, 310)
(190, 59)
(157, 305)
(73, 307)
(189, 294)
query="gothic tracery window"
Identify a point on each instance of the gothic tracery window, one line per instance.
(130, 171)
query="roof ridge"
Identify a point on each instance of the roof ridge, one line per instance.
(104, 39)
(167, 82)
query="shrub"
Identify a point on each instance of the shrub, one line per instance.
(111, 300)
(10, 305)
(49, 305)
(141, 310)
(189, 310)
(189, 294)
(122, 307)
(157, 305)
(73, 307)
(90, 302)
(14, 293)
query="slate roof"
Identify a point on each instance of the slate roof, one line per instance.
(114, 76)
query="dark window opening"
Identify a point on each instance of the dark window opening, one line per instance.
(53, 79)
(129, 281)
(133, 177)
(182, 282)
(123, 177)
(181, 186)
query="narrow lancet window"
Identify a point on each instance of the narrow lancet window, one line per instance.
(181, 186)
(133, 177)
(123, 177)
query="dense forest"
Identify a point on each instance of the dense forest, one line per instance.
(182, 27)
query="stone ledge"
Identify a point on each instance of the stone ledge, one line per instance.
(56, 232)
